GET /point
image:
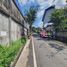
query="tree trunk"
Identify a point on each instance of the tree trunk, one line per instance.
(30, 28)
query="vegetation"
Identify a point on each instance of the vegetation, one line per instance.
(7, 54)
(59, 19)
(36, 30)
(31, 15)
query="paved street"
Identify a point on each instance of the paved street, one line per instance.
(50, 53)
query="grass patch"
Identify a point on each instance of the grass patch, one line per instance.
(7, 54)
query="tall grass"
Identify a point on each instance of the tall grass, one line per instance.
(7, 54)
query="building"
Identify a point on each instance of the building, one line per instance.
(48, 12)
(12, 23)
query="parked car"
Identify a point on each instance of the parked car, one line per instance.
(43, 34)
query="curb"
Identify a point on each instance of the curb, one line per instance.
(18, 55)
(34, 56)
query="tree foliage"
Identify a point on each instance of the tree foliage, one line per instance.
(36, 30)
(59, 19)
(31, 16)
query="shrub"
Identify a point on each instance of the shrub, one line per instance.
(7, 54)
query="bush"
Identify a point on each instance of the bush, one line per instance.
(7, 54)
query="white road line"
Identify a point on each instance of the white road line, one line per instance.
(34, 56)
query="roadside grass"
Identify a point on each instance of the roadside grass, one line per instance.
(8, 54)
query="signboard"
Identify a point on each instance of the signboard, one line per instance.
(3, 33)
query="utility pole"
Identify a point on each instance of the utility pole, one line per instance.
(43, 24)
(9, 27)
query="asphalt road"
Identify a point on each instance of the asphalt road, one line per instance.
(50, 53)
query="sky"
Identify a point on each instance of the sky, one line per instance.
(43, 4)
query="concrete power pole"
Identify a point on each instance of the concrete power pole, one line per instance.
(10, 22)
(9, 27)
(43, 24)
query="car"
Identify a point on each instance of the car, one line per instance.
(43, 34)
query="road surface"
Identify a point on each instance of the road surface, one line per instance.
(26, 57)
(50, 53)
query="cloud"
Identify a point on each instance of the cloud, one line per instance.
(23, 2)
(43, 5)
(49, 2)
(40, 13)
(41, 1)
(60, 3)
(32, 0)
(38, 23)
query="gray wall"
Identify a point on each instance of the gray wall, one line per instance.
(5, 30)
(10, 30)
(4, 22)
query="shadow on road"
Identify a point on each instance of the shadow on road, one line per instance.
(57, 47)
(46, 39)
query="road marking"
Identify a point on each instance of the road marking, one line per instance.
(34, 56)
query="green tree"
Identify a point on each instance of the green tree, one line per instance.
(31, 16)
(36, 30)
(58, 18)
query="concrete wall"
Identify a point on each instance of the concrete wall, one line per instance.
(12, 23)
(4, 24)
(15, 31)
(9, 30)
